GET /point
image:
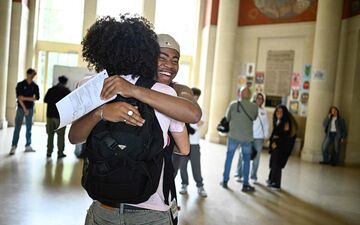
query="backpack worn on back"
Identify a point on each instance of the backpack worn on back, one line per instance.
(124, 162)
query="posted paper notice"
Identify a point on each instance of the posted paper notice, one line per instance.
(82, 100)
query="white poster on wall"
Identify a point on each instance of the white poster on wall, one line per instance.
(278, 72)
(74, 74)
(250, 69)
(319, 75)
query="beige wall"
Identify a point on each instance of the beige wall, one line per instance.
(349, 103)
(253, 42)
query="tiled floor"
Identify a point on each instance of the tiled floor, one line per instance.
(39, 191)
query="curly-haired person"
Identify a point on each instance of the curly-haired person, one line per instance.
(128, 46)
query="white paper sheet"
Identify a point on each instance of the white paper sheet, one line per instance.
(82, 100)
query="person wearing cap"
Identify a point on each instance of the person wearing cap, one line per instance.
(52, 96)
(127, 56)
(168, 67)
(27, 92)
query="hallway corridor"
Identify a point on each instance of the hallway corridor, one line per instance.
(35, 190)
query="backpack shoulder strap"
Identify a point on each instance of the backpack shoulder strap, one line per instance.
(145, 82)
(239, 103)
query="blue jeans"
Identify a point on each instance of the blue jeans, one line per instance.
(258, 145)
(18, 122)
(245, 153)
(98, 215)
(331, 138)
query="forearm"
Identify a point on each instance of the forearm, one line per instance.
(29, 99)
(177, 108)
(81, 128)
(22, 104)
(182, 141)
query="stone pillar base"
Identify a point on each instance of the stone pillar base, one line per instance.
(214, 137)
(311, 156)
(3, 124)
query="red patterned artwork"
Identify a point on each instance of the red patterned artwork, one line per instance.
(256, 12)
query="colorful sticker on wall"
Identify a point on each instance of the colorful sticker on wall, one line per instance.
(241, 80)
(295, 81)
(249, 82)
(319, 75)
(294, 107)
(250, 69)
(259, 88)
(306, 85)
(295, 94)
(307, 71)
(304, 98)
(259, 77)
(303, 110)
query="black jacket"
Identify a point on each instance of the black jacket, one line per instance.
(53, 95)
(283, 142)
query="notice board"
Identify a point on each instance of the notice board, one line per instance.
(278, 72)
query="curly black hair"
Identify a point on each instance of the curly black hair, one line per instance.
(125, 46)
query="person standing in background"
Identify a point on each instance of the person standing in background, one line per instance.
(27, 92)
(194, 156)
(240, 114)
(261, 133)
(281, 144)
(335, 132)
(53, 95)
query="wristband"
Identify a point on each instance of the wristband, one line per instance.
(101, 113)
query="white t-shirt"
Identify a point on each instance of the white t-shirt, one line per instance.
(194, 139)
(261, 125)
(333, 125)
(156, 201)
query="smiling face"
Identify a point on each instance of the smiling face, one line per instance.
(259, 100)
(279, 113)
(168, 65)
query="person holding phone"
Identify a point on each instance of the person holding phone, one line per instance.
(335, 133)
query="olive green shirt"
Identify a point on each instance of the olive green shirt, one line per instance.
(241, 127)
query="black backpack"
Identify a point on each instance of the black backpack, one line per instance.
(123, 163)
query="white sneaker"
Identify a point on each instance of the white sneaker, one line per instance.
(239, 179)
(274, 188)
(183, 190)
(29, 149)
(202, 192)
(12, 150)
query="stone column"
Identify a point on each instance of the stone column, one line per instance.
(148, 9)
(17, 55)
(32, 34)
(90, 7)
(5, 21)
(223, 64)
(206, 61)
(195, 70)
(326, 47)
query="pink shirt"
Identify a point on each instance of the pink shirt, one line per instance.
(156, 201)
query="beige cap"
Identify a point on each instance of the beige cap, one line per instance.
(166, 41)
